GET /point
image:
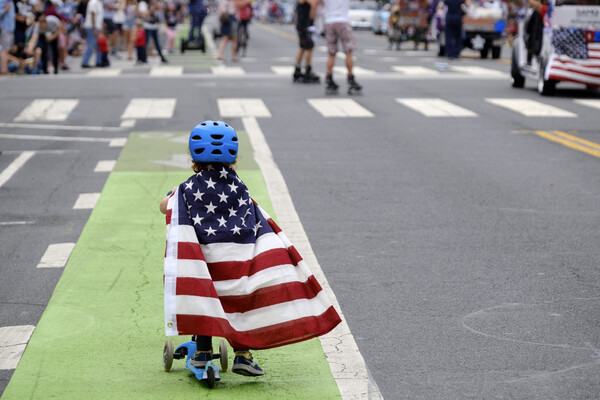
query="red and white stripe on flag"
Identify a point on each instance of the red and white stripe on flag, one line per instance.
(585, 71)
(257, 295)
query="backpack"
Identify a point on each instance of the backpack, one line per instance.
(245, 13)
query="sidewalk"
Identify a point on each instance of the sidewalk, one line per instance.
(101, 335)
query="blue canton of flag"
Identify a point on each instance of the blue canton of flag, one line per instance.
(219, 206)
(570, 42)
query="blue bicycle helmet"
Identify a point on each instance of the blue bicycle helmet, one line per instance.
(213, 141)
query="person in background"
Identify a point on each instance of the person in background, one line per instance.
(129, 27)
(140, 43)
(455, 9)
(93, 25)
(49, 29)
(198, 11)
(305, 16)
(171, 21)
(103, 48)
(7, 32)
(150, 13)
(228, 19)
(110, 6)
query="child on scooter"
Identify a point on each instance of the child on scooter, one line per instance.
(229, 269)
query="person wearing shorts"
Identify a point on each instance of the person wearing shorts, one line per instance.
(305, 15)
(338, 29)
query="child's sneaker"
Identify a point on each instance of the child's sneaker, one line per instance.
(243, 364)
(200, 358)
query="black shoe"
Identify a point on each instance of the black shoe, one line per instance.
(85, 66)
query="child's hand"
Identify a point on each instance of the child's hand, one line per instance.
(165, 201)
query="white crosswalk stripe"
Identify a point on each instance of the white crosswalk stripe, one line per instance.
(149, 108)
(227, 71)
(48, 110)
(104, 72)
(432, 107)
(357, 71)
(588, 102)
(283, 70)
(531, 108)
(415, 70)
(239, 108)
(339, 108)
(13, 340)
(166, 71)
(470, 70)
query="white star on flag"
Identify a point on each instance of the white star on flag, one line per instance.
(232, 187)
(223, 173)
(210, 183)
(189, 185)
(210, 231)
(210, 208)
(255, 229)
(197, 219)
(198, 195)
(242, 202)
(222, 221)
(223, 197)
(236, 230)
(232, 212)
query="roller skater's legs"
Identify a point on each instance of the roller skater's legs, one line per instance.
(332, 87)
(353, 86)
(309, 76)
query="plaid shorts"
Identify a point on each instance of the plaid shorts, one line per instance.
(339, 31)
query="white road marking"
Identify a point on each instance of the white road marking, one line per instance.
(14, 166)
(357, 71)
(588, 103)
(56, 255)
(477, 71)
(104, 72)
(127, 123)
(238, 108)
(285, 70)
(228, 71)
(416, 70)
(149, 108)
(166, 71)
(13, 340)
(112, 142)
(531, 108)
(339, 108)
(105, 166)
(47, 110)
(10, 223)
(117, 142)
(60, 127)
(436, 108)
(345, 361)
(86, 201)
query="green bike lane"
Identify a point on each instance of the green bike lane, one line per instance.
(101, 335)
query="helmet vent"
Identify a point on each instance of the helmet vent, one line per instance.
(217, 151)
(234, 139)
(232, 152)
(215, 123)
(217, 137)
(199, 151)
(196, 137)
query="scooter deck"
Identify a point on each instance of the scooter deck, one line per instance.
(201, 374)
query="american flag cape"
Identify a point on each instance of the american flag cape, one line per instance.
(576, 58)
(231, 272)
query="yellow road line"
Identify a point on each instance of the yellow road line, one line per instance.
(572, 142)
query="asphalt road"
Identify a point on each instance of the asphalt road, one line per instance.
(463, 250)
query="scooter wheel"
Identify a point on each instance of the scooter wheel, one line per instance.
(168, 355)
(210, 377)
(223, 355)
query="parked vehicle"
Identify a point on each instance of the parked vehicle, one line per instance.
(484, 26)
(361, 13)
(560, 43)
(409, 20)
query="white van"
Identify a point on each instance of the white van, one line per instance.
(560, 43)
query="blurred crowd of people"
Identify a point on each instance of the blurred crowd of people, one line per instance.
(45, 36)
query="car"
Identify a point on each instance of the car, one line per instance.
(379, 23)
(568, 51)
(361, 13)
